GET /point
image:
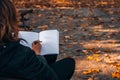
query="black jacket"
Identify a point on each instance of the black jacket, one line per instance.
(19, 61)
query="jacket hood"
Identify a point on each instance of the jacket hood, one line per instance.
(7, 51)
(8, 47)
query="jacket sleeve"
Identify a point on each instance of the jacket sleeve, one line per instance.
(41, 58)
(34, 69)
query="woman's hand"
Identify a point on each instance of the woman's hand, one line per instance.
(36, 46)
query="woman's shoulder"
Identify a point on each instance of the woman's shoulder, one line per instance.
(21, 49)
(15, 50)
(17, 46)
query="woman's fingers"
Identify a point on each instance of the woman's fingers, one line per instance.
(37, 42)
(36, 46)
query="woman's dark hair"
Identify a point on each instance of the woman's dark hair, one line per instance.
(8, 22)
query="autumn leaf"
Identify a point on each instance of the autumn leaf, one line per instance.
(67, 37)
(69, 46)
(90, 57)
(91, 71)
(70, 17)
(90, 78)
(116, 74)
(31, 27)
(85, 51)
(118, 66)
(103, 3)
(44, 27)
(52, 20)
(95, 57)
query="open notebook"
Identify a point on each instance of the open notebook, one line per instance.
(49, 38)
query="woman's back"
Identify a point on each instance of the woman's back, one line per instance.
(17, 61)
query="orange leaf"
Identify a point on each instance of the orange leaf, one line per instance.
(116, 74)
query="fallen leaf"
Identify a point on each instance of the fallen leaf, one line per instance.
(85, 51)
(90, 57)
(90, 78)
(91, 71)
(67, 37)
(44, 27)
(69, 46)
(52, 20)
(116, 74)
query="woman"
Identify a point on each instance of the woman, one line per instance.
(18, 61)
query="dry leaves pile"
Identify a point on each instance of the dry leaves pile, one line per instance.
(66, 3)
(97, 58)
(94, 57)
(116, 74)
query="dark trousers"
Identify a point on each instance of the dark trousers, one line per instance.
(64, 68)
(51, 58)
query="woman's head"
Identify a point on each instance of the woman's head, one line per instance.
(8, 22)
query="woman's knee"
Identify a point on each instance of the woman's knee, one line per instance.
(70, 60)
(70, 66)
(69, 63)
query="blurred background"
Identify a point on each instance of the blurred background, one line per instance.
(66, 3)
(89, 32)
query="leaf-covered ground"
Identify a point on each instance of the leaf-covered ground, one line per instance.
(90, 35)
